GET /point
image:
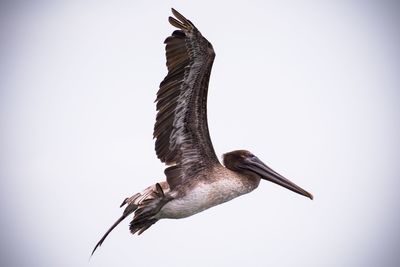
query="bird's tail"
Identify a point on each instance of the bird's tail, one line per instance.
(145, 205)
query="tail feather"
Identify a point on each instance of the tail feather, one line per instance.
(128, 210)
(145, 205)
(141, 226)
(145, 214)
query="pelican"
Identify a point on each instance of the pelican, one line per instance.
(195, 179)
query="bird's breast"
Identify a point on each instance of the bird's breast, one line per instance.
(204, 195)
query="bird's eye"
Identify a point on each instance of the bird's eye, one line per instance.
(252, 156)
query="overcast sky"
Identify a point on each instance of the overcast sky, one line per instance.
(311, 88)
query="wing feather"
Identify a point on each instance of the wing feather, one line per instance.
(181, 130)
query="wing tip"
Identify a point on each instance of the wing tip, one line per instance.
(180, 21)
(176, 23)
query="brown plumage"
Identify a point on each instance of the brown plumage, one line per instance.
(195, 179)
(181, 130)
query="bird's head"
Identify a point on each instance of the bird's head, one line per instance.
(245, 162)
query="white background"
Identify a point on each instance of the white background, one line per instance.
(311, 88)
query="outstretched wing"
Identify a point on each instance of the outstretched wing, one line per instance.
(181, 130)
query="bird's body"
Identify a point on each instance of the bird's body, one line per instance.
(204, 193)
(195, 179)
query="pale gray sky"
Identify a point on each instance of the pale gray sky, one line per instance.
(311, 88)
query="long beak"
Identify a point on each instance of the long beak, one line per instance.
(257, 166)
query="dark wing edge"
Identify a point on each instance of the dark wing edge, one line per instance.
(181, 129)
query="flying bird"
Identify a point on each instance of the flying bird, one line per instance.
(195, 179)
